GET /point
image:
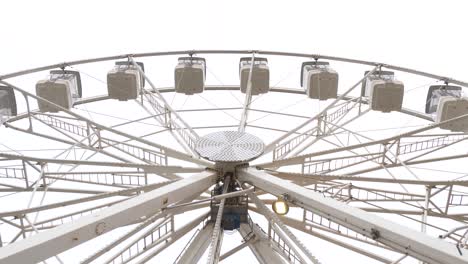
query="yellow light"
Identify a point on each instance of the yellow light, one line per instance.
(280, 206)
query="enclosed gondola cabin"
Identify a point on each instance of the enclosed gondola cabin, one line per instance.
(189, 75)
(260, 75)
(124, 81)
(445, 102)
(318, 80)
(385, 93)
(436, 92)
(62, 87)
(7, 103)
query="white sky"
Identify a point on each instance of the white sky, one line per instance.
(426, 35)
(429, 35)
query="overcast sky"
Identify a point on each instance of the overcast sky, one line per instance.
(430, 35)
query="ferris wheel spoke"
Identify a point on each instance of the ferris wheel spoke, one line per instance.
(392, 144)
(312, 224)
(405, 146)
(101, 195)
(442, 201)
(248, 98)
(146, 155)
(412, 162)
(167, 213)
(152, 156)
(197, 246)
(158, 233)
(281, 148)
(282, 234)
(67, 218)
(119, 179)
(260, 245)
(46, 244)
(236, 249)
(174, 236)
(171, 152)
(126, 236)
(73, 145)
(149, 168)
(433, 143)
(113, 178)
(383, 231)
(167, 116)
(328, 129)
(216, 239)
(312, 178)
(346, 241)
(79, 142)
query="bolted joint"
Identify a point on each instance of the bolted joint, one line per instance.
(375, 234)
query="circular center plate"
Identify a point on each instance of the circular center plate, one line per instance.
(229, 146)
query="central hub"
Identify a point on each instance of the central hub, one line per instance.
(230, 147)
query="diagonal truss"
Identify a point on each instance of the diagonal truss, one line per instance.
(168, 151)
(282, 231)
(378, 150)
(280, 150)
(185, 133)
(388, 233)
(44, 245)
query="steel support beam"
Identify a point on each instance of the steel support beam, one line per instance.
(275, 143)
(149, 168)
(176, 235)
(98, 196)
(263, 52)
(170, 152)
(284, 232)
(198, 246)
(403, 239)
(248, 98)
(301, 226)
(261, 247)
(235, 250)
(47, 244)
(217, 236)
(186, 133)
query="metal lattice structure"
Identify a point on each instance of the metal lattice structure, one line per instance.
(131, 189)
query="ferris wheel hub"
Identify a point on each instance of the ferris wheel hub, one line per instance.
(230, 147)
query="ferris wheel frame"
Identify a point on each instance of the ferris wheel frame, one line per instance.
(162, 200)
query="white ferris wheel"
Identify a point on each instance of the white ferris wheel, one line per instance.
(350, 157)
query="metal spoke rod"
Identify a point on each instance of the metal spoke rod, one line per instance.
(147, 167)
(171, 152)
(216, 238)
(274, 219)
(263, 250)
(220, 197)
(56, 240)
(396, 236)
(270, 147)
(176, 235)
(125, 192)
(197, 247)
(189, 137)
(304, 227)
(301, 158)
(248, 98)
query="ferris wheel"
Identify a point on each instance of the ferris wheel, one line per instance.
(349, 154)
